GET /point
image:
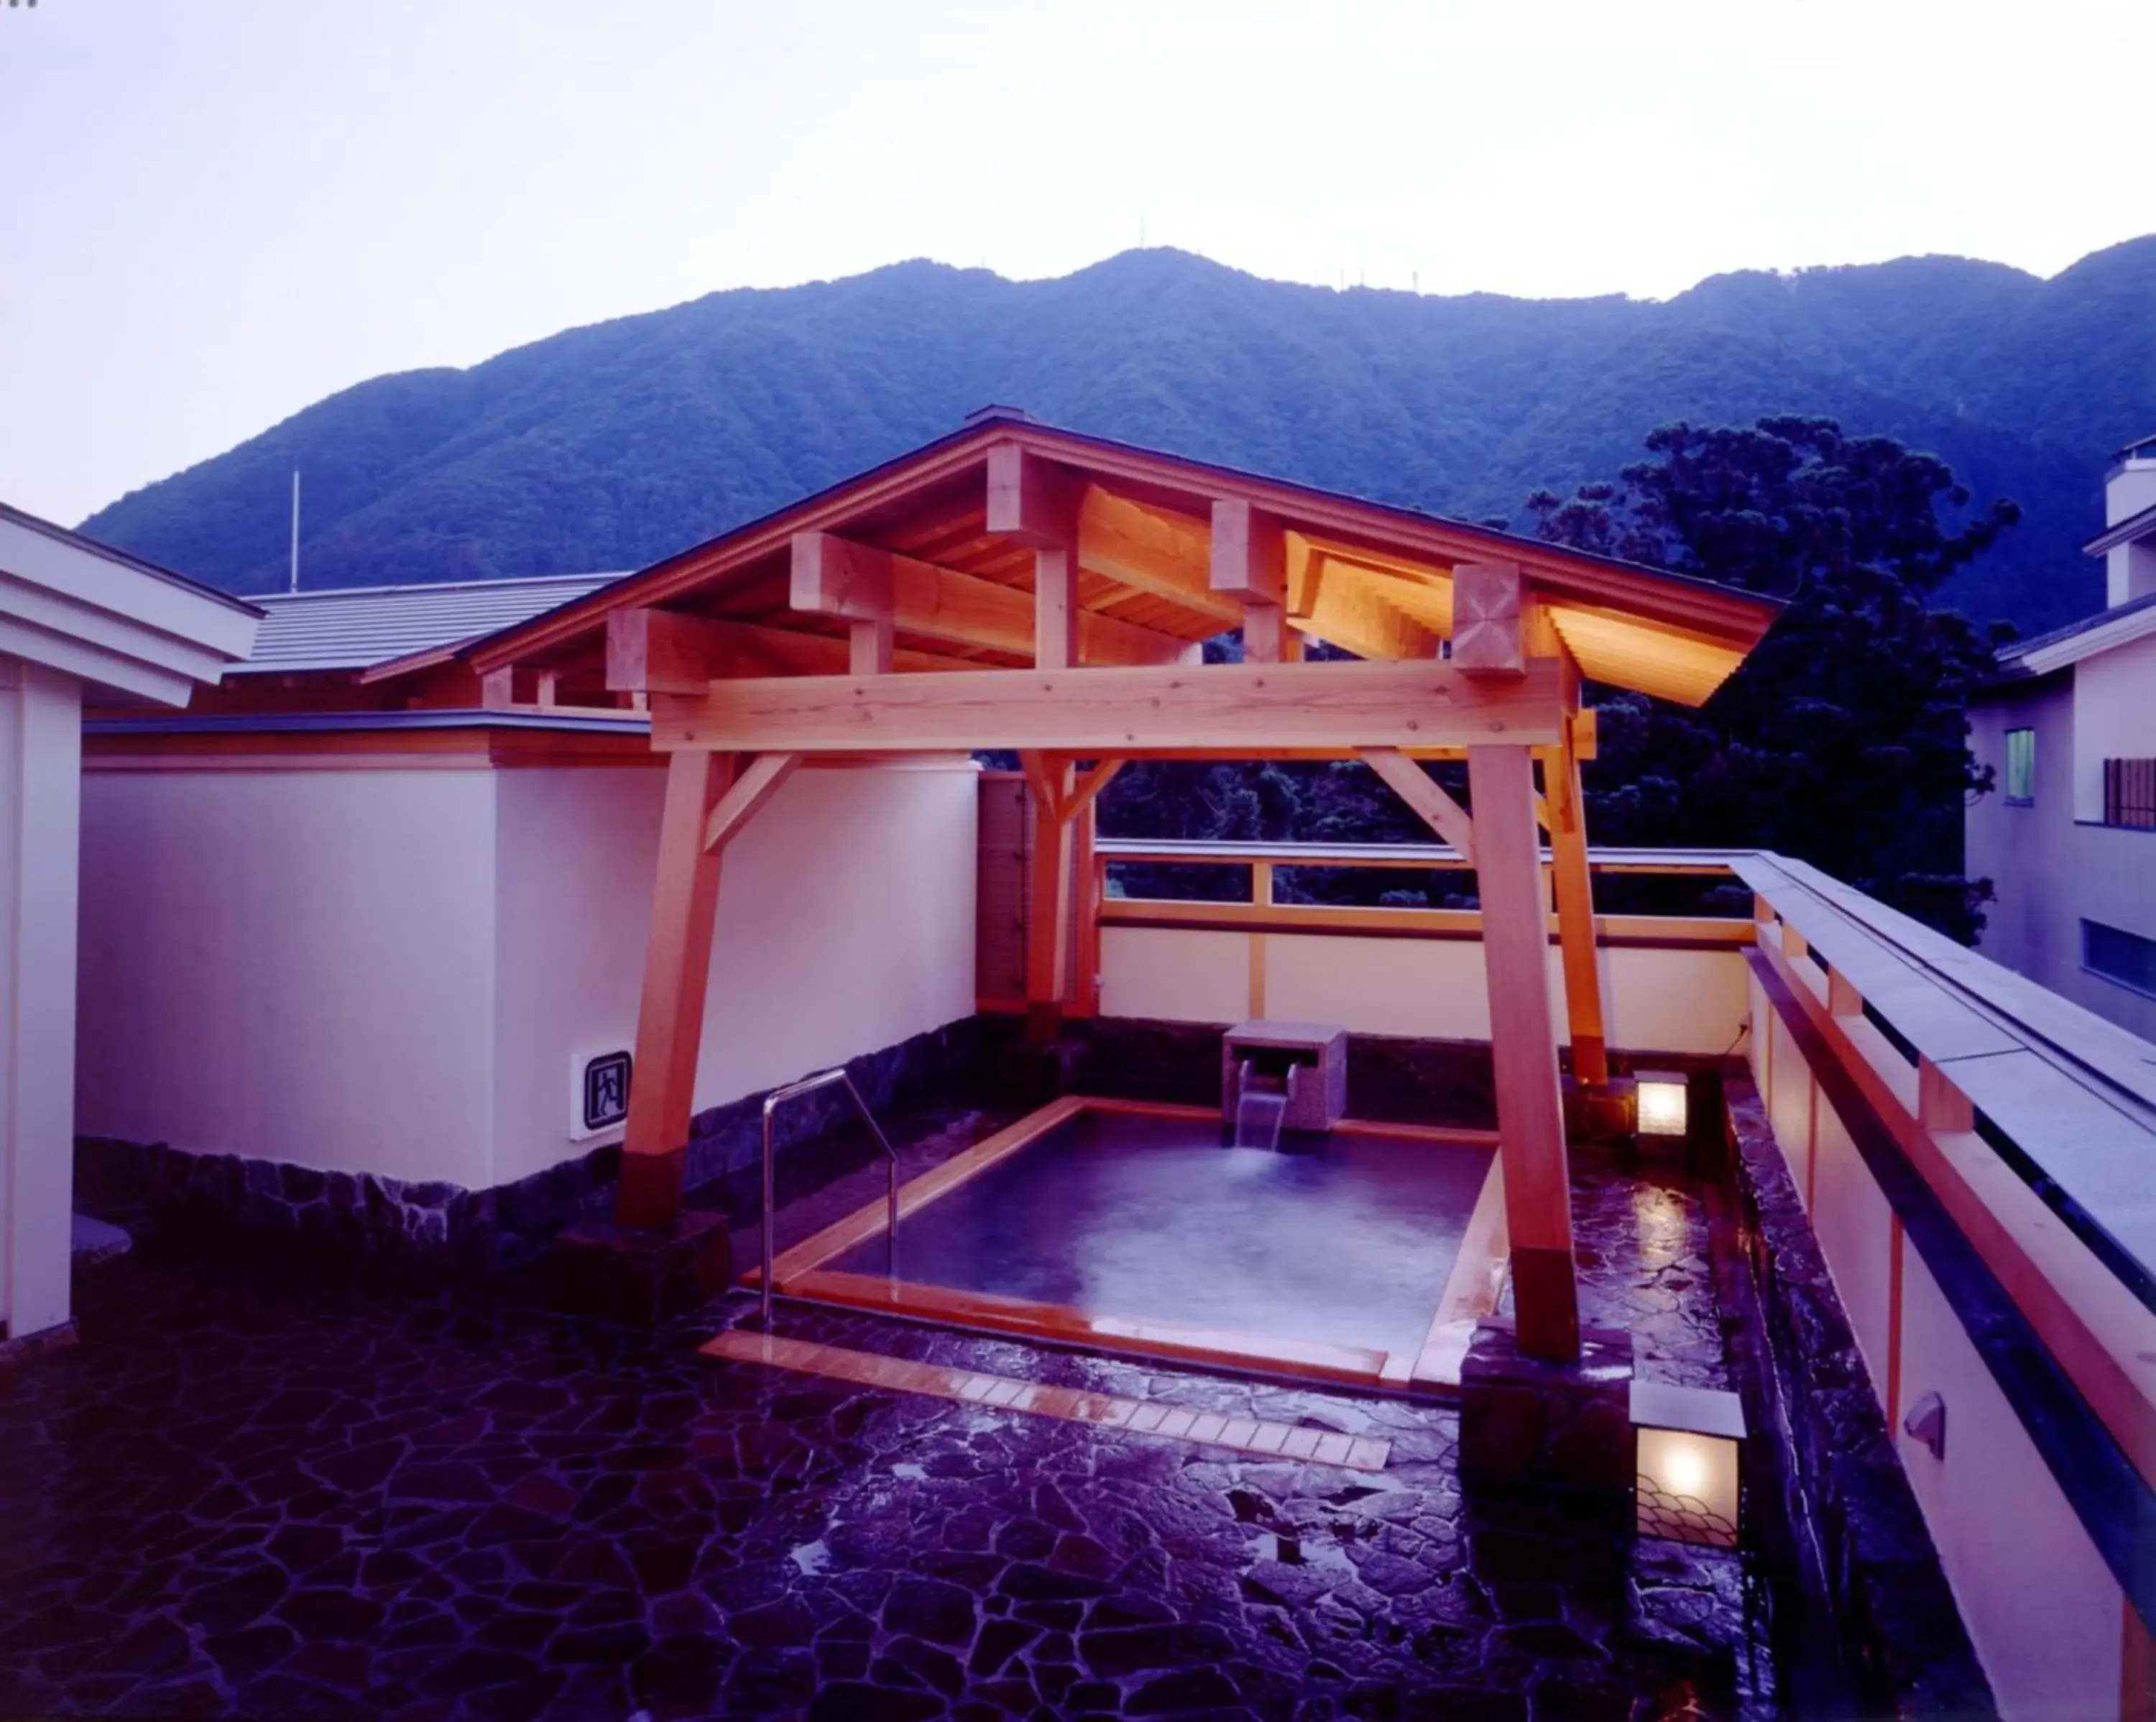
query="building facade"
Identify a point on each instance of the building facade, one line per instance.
(2067, 835)
(78, 621)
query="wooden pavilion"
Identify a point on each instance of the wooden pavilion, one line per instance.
(1014, 586)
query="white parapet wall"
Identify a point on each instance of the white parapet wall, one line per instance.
(1677, 999)
(390, 971)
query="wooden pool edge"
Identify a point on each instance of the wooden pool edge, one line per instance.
(1472, 1286)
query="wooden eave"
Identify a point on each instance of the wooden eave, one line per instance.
(1629, 626)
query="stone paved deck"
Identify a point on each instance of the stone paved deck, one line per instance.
(277, 1489)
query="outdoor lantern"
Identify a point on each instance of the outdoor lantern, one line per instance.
(1661, 1102)
(1687, 1439)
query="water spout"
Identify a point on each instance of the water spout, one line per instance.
(1259, 1111)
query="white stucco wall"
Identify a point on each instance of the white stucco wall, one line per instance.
(390, 971)
(291, 966)
(2114, 717)
(2052, 863)
(1656, 1000)
(845, 924)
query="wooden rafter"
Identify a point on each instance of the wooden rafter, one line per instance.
(1168, 555)
(1250, 707)
(1334, 601)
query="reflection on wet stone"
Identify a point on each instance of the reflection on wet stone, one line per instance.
(267, 1489)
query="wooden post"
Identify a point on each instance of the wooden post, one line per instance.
(1523, 1051)
(1575, 916)
(1083, 993)
(677, 965)
(1055, 607)
(868, 647)
(1048, 924)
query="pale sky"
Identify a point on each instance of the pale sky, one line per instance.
(215, 212)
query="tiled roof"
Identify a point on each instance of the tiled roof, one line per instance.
(357, 627)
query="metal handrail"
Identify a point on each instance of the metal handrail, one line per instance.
(772, 1103)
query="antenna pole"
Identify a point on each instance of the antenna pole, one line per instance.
(295, 529)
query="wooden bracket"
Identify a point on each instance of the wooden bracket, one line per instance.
(757, 785)
(1426, 796)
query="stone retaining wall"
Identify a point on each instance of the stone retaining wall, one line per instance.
(1851, 1536)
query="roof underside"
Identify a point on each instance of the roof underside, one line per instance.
(1373, 580)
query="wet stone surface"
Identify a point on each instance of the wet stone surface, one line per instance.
(265, 1488)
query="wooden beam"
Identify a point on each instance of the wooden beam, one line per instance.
(1524, 1053)
(1426, 796)
(1048, 923)
(1249, 564)
(755, 786)
(1575, 917)
(1031, 500)
(838, 576)
(1149, 550)
(1487, 601)
(664, 651)
(1248, 559)
(669, 1020)
(1090, 712)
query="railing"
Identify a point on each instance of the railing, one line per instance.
(2129, 793)
(792, 1090)
(1260, 907)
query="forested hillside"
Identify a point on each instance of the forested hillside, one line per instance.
(607, 447)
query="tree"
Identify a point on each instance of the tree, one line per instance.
(1842, 740)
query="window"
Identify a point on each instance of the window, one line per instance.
(2118, 955)
(2020, 766)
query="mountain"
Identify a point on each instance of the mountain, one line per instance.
(612, 445)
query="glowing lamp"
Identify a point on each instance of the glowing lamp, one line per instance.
(1688, 1439)
(1661, 1103)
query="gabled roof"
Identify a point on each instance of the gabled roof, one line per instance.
(1372, 577)
(359, 627)
(2120, 625)
(122, 558)
(116, 623)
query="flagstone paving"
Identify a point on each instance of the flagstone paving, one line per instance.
(272, 1488)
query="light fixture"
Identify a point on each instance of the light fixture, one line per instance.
(1687, 1440)
(1661, 1103)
